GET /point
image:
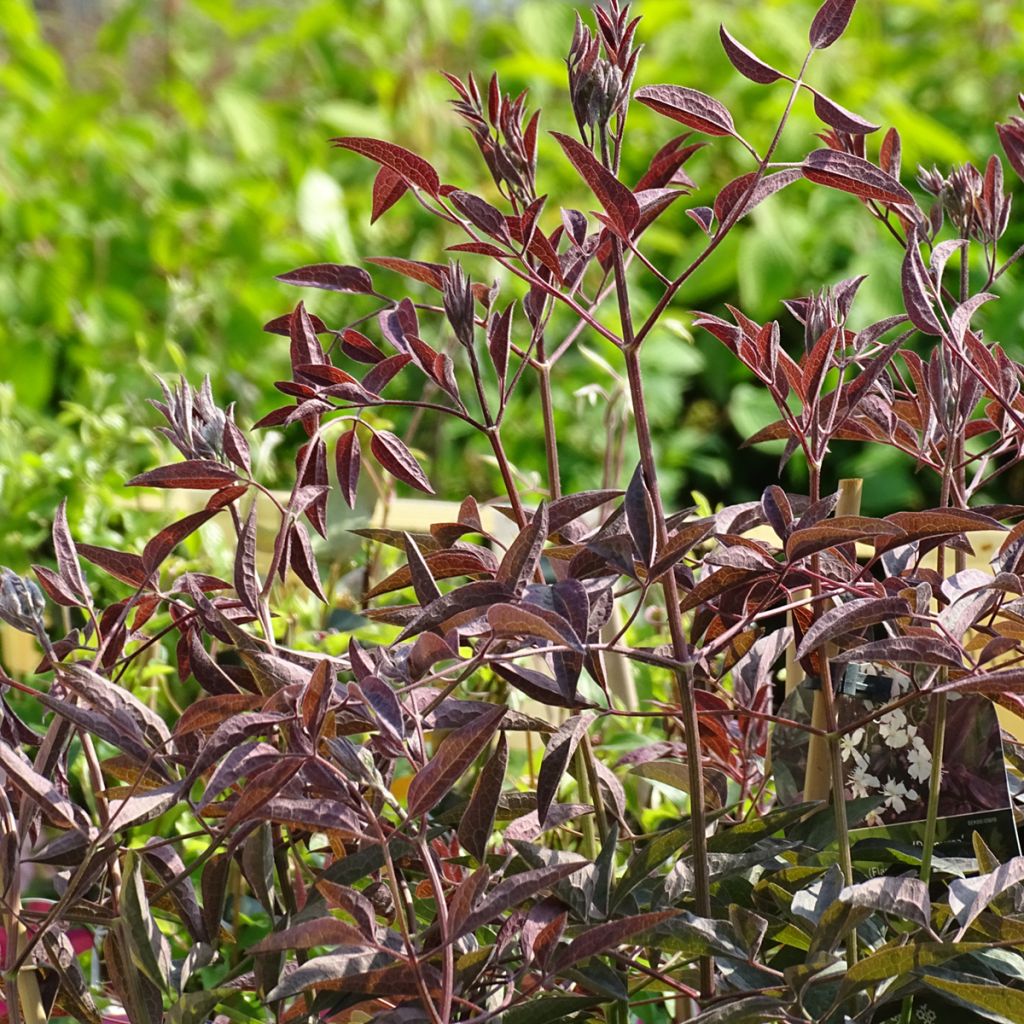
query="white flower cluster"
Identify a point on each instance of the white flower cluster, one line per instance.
(898, 733)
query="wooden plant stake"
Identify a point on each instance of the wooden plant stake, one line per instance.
(817, 777)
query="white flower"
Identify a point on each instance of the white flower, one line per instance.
(849, 743)
(893, 729)
(895, 794)
(919, 761)
(861, 783)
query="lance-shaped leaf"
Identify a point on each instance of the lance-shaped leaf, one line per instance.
(905, 898)
(605, 936)
(420, 574)
(917, 290)
(247, 585)
(347, 454)
(67, 554)
(171, 536)
(414, 169)
(853, 174)
(525, 885)
(477, 822)
(841, 530)
(323, 931)
(746, 62)
(907, 650)
(332, 277)
(452, 759)
(968, 897)
(850, 617)
(830, 22)
(427, 273)
(511, 620)
(539, 687)
(555, 762)
(474, 595)
(840, 118)
(388, 187)
(391, 452)
(55, 806)
(190, 475)
(499, 334)
(639, 509)
(149, 949)
(997, 1002)
(368, 973)
(688, 106)
(480, 213)
(563, 511)
(442, 565)
(743, 189)
(101, 693)
(934, 523)
(618, 201)
(523, 555)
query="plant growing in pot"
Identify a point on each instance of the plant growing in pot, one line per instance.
(322, 826)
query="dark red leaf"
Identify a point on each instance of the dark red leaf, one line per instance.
(384, 372)
(427, 273)
(523, 555)
(510, 620)
(841, 530)
(618, 201)
(849, 617)
(282, 325)
(236, 446)
(303, 561)
(917, 289)
(359, 347)
(67, 555)
(388, 187)
(890, 152)
(499, 333)
(347, 462)
(688, 106)
(414, 169)
(732, 194)
(557, 755)
(840, 118)
(830, 22)
(480, 213)
(170, 537)
(614, 933)
(478, 818)
(122, 565)
(452, 760)
(192, 474)
(391, 452)
(331, 277)
(745, 62)
(56, 587)
(246, 583)
(852, 174)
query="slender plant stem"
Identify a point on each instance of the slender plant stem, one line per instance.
(670, 589)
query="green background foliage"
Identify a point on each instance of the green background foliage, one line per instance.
(164, 160)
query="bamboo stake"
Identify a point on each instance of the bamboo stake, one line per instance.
(817, 778)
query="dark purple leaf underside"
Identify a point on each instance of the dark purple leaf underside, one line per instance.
(852, 616)
(451, 761)
(618, 201)
(746, 62)
(331, 277)
(688, 106)
(854, 175)
(830, 22)
(478, 818)
(414, 169)
(555, 762)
